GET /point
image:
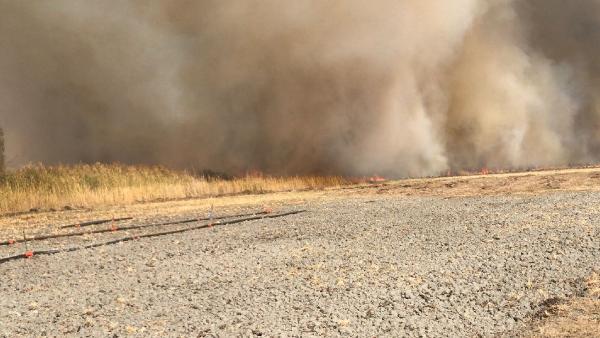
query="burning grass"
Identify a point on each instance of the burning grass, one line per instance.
(57, 187)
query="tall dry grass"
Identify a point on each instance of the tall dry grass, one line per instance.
(2, 159)
(57, 187)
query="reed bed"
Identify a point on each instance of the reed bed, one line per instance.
(85, 186)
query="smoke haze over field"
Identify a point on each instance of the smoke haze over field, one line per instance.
(393, 87)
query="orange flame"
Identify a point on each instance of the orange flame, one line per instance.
(376, 179)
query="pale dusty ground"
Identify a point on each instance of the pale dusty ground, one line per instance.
(546, 222)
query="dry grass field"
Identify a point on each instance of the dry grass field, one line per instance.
(84, 186)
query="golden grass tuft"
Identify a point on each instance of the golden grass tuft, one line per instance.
(577, 317)
(56, 187)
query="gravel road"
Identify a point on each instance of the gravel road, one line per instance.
(371, 265)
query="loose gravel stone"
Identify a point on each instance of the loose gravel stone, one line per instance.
(360, 266)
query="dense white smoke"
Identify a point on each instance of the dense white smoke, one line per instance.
(393, 87)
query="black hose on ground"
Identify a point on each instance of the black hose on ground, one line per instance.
(131, 238)
(100, 221)
(115, 229)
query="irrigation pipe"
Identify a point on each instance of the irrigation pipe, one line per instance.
(30, 254)
(115, 229)
(100, 221)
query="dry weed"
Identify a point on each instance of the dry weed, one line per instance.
(56, 187)
(577, 317)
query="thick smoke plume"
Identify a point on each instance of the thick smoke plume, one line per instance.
(393, 87)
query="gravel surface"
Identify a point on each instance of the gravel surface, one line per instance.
(361, 266)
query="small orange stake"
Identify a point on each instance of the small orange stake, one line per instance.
(11, 241)
(29, 254)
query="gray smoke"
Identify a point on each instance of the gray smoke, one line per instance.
(409, 87)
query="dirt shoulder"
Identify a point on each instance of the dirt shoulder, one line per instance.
(578, 316)
(528, 183)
